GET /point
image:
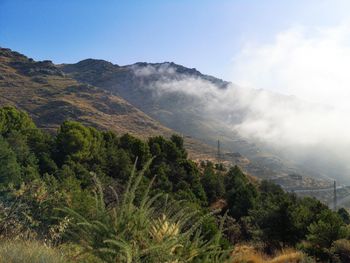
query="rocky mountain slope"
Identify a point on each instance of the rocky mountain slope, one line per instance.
(168, 93)
(50, 96)
(138, 99)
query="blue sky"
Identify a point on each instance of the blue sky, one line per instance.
(204, 34)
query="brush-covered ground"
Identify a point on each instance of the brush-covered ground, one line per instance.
(85, 195)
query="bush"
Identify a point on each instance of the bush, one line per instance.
(145, 230)
(341, 250)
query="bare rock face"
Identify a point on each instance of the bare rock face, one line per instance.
(31, 68)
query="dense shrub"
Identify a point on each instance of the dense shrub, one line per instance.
(145, 230)
(46, 177)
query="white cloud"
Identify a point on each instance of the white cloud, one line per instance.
(311, 63)
(151, 70)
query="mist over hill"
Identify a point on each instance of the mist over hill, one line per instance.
(282, 133)
(267, 134)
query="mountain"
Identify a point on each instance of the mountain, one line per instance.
(169, 93)
(144, 99)
(50, 96)
(134, 83)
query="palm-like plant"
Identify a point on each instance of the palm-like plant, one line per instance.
(152, 229)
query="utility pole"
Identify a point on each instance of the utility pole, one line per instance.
(219, 152)
(335, 196)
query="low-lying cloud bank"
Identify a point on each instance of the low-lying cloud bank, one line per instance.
(311, 63)
(309, 122)
(302, 131)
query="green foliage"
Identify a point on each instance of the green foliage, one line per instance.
(165, 150)
(123, 218)
(341, 250)
(274, 218)
(327, 229)
(118, 162)
(174, 170)
(344, 214)
(41, 145)
(241, 194)
(10, 171)
(305, 212)
(213, 183)
(12, 119)
(136, 148)
(25, 157)
(323, 233)
(145, 231)
(77, 142)
(179, 142)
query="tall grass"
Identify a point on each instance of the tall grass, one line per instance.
(17, 251)
(145, 229)
(249, 254)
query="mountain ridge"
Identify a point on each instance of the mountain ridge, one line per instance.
(50, 97)
(122, 98)
(138, 84)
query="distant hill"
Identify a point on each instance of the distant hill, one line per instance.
(139, 85)
(128, 99)
(50, 96)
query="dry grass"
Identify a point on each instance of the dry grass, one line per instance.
(18, 251)
(248, 254)
(289, 256)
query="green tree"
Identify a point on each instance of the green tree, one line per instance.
(78, 142)
(344, 214)
(323, 233)
(10, 171)
(25, 157)
(12, 119)
(42, 144)
(136, 148)
(179, 142)
(213, 183)
(240, 193)
(117, 161)
(326, 230)
(306, 211)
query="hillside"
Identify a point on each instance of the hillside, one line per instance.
(50, 94)
(178, 97)
(76, 196)
(54, 183)
(51, 97)
(124, 99)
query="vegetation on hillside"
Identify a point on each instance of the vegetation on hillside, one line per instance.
(95, 196)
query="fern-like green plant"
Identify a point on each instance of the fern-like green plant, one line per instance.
(146, 229)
